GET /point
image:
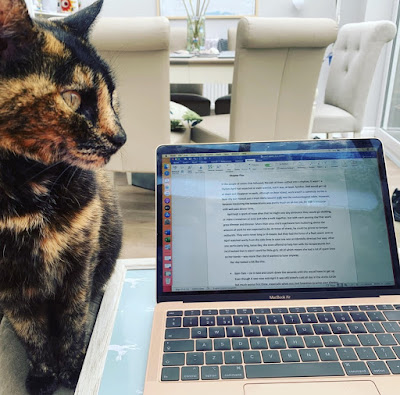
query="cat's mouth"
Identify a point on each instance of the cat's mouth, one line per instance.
(88, 160)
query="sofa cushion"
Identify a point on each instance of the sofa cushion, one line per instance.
(181, 116)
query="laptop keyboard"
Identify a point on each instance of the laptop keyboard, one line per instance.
(232, 344)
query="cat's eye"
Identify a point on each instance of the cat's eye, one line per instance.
(72, 98)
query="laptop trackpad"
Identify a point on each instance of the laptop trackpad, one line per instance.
(314, 388)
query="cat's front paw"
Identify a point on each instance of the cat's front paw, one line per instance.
(41, 384)
(69, 379)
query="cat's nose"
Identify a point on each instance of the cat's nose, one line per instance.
(118, 139)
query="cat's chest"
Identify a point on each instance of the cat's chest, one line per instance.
(40, 249)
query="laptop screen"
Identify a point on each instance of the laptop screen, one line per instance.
(273, 216)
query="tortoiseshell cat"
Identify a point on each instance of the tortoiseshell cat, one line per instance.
(60, 228)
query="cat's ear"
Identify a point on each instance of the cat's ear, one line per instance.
(80, 22)
(16, 28)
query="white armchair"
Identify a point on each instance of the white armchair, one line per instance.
(137, 50)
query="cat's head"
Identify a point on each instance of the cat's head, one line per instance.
(57, 96)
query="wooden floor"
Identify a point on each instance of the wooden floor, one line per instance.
(138, 209)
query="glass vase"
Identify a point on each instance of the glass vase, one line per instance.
(196, 34)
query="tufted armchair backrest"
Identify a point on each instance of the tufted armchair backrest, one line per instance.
(355, 55)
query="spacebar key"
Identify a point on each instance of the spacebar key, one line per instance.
(294, 370)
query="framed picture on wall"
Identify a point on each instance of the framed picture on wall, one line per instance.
(175, 9)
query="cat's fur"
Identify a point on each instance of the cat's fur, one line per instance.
(60, 228)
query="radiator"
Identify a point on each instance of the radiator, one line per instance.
(214, 91)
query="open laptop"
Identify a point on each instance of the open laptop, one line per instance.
(277, 270)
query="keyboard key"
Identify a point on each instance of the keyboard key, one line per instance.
(262, 311)
(258, 344)
(331, 341)
(213, 358)
(251, 331)
(367, 307)
(240, 344)
(386, 339)
(368, 340)
(365, 353)
(322, 329)
(190, 373)
(384, 307)
(274, 319)
(346, 354)
(309, 369)
(251, 356)
(349, 340)
(207, 321)
(175, 313)
(234, 331)
(315, 309)
(376, 316)
(222, 344)
(216, 331)
(210, 312)
(224, 320)
(350, 308)
(177, 333)
(198, 333)
(291, 318)
(309, 355)
(270, 356)
(209, 372)
(245, 311)
(190, 321)
(313, 341)
(325, 317)
(269, 330)
(332, 308)
(392, 315)
(227, 311)
(178, 345)
(339, 329)
(374, 327)
(194, 358)
(173, 322)
(295, 342)
(174, 359)
(356, 368)
(204, 345)
(280, 310)
(276, 342)
(358, 316)
(305, 329)
(391, 327)
(327, 354)
(192, 313)
(232, 372)
(297, 309)
(394, 366)
(232, 357)
(397, 351)
(241, 320)
(290, 356)
(257, 319)
(286, 330)
(378, 367)
(384, 353)
(356, 327)
(308, 318)
(342, 317)
(170, 374)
